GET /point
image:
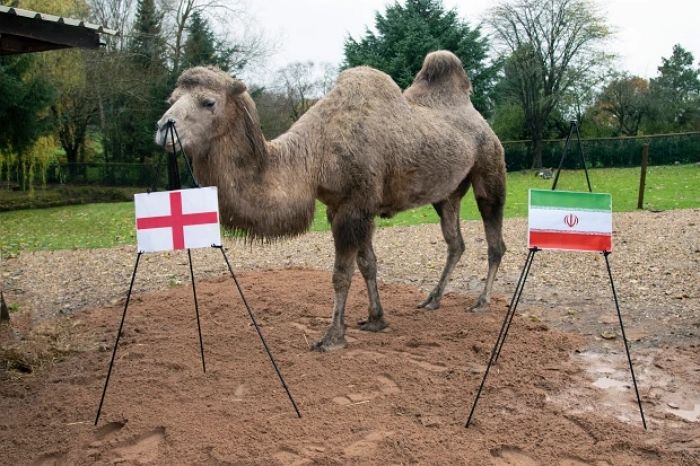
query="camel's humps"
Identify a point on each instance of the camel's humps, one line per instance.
(364, 150)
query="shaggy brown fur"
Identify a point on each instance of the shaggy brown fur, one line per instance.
(364, 150)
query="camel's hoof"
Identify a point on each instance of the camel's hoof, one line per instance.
(329, 344)
(481, 305)
(431, 303)
(375, 325)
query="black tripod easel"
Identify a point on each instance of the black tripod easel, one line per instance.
(572, 128)
(505, 326)
(173, 184)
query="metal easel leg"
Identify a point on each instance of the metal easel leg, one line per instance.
(504, 327)
(563, 156)
(257, 329)
(119, 334)
(196, 311)
(583, 158)
(624, 338)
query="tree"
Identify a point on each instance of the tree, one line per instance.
(302, 83)
(75, 105)
(551, 44)
(268, 102)
(407, 33)
(117, 15)
(147, 46)
(69, 110)
(626, 100)
(582, 95)
(234, 51)
(508, 121)
(137, 106)
(676, 92)
(24, 104)
(200, 46)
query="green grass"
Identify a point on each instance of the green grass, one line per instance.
(68, 227)
(667, 187)
(105, 225)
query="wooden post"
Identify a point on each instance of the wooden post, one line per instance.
(643, 175)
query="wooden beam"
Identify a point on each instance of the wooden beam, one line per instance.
(10, 45)
(51, 34)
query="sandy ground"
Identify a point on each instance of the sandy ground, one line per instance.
(561, 393)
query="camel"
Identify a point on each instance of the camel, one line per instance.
(364, 150)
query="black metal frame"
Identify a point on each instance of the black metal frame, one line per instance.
(172, 167)
(572, 128)
(505, 327)
(496, 351)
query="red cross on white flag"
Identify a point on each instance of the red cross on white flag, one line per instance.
(183, 219)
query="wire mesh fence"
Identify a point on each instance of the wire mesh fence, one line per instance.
(664, 149)
(148, 174)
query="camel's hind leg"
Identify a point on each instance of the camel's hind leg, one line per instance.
(367, 263)
(490, 198)
(448, 210)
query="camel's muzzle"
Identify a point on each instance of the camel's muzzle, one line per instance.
(166, 135)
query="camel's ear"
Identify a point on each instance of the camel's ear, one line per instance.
(237, 87)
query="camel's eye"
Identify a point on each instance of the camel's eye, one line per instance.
(208, 103)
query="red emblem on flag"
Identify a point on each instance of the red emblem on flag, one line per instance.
(177, 220)
(571, 220)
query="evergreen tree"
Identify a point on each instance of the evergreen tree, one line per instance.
(24, 103)
(138, 106)
(147, 44)
(406, 33)
(676, 93)
(200, 46)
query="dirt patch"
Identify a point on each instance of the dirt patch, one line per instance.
(656, 263)
(399, 397)
(396, 397)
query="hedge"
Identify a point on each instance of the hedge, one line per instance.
(55, 196)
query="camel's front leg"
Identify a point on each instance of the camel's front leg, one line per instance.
(342, 275)
(367, 263)
(351, 229)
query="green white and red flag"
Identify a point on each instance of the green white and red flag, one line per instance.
(569, 220)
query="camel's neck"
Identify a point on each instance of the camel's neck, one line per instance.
(265, 188)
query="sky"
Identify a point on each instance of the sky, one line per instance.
(315, 30)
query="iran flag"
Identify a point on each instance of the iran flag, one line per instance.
(570, 220)
(182, 219)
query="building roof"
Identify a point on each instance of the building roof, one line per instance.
(23, 31)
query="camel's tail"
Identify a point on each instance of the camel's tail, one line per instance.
(443, 68)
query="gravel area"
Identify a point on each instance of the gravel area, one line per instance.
(400, 395)
(656, 264)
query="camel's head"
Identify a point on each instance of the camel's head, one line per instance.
(202, 106)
